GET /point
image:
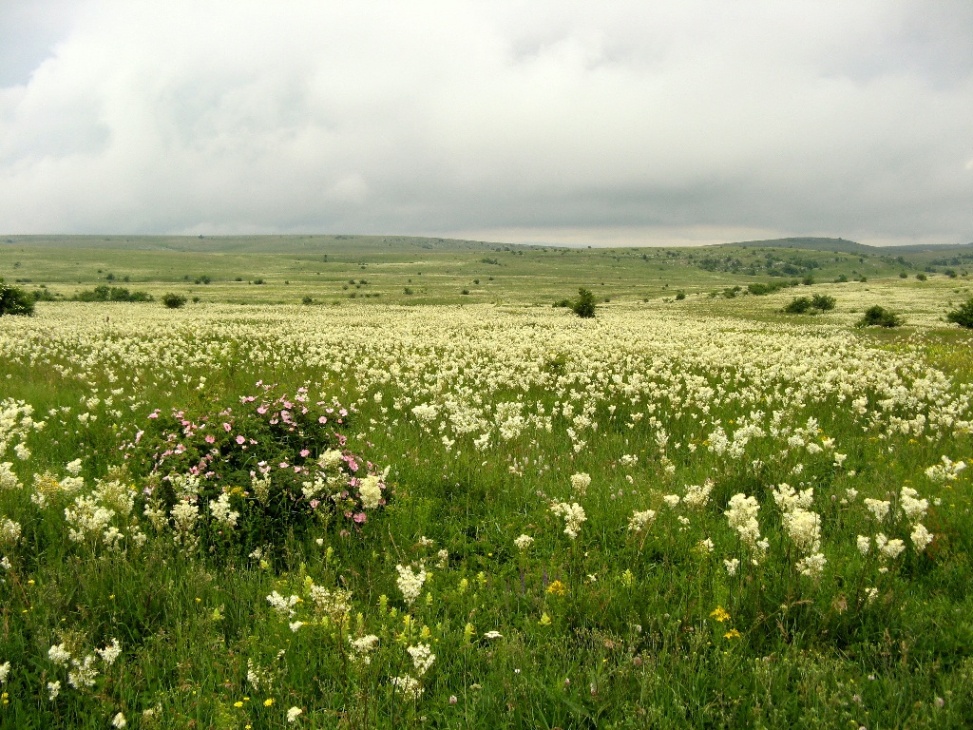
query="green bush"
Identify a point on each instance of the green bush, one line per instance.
(584, 307)
(277, 460)
(822, 302)
(174, 301)
(798, 305)
(112, 294)
(14, 300)
(964, 315)
(879, 317)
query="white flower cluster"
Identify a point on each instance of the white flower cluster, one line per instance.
(742, 517)
(697, 495)
(370, 490)
(283, 605)
(640, 520)
(947, 471)
(573, 515)
(580, 483)
(335, 604)
(523, 542)
(362, 647)
(802, 526)
(82, 672)
(410, 582)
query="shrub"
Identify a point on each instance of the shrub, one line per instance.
(680, 295)
(277, 460)
(112, 294)
(308, 299)
(921, 277)
(879, 317)
(822, 302)
(799, 305)
(584, 306)
(14, 300)
(174, 301)
(964, 315)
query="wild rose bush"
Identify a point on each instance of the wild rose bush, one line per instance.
(260, 470)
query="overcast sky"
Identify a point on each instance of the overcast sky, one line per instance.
(622, 122)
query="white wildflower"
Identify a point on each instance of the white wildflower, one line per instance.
(640, 520)
(697, 496)
(812, 565)
(580, 483)
(914, 509)
(59, 654)
(921, 537)
(370, 491)
(111, 652)
(410, 582)
(573, 515)
(9, 531)
(408, 686)
(523, 542)
(878, 508)
(222, 512)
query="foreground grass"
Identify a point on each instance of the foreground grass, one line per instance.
(483, 416)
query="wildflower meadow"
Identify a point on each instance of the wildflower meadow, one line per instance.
(695, 513)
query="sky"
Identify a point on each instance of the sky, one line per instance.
(617, 122)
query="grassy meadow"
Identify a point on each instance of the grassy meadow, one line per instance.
(393, 486)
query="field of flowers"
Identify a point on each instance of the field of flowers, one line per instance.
(478, 516)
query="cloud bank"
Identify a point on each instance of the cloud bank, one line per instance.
(616, 122)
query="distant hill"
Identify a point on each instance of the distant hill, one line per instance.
(843, 245)
(809, 244)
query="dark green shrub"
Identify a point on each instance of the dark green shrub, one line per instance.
(14, 300)
(879, 317)
(173, 301)
(308, 299)
(921, 277)
(799, 305)
(112, 294)
(963, 316)
(680, 295)
(822, 302)
(584, 306)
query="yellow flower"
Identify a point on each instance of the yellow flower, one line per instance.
(545, 619)
(719, 613)
(238, 703)
(268, 702)
(557, 588)
(732, 634)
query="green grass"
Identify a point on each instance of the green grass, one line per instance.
(611, 629)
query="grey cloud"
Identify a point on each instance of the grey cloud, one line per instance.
(848, 118)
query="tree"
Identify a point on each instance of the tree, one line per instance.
(15, 301)
(584, 307)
